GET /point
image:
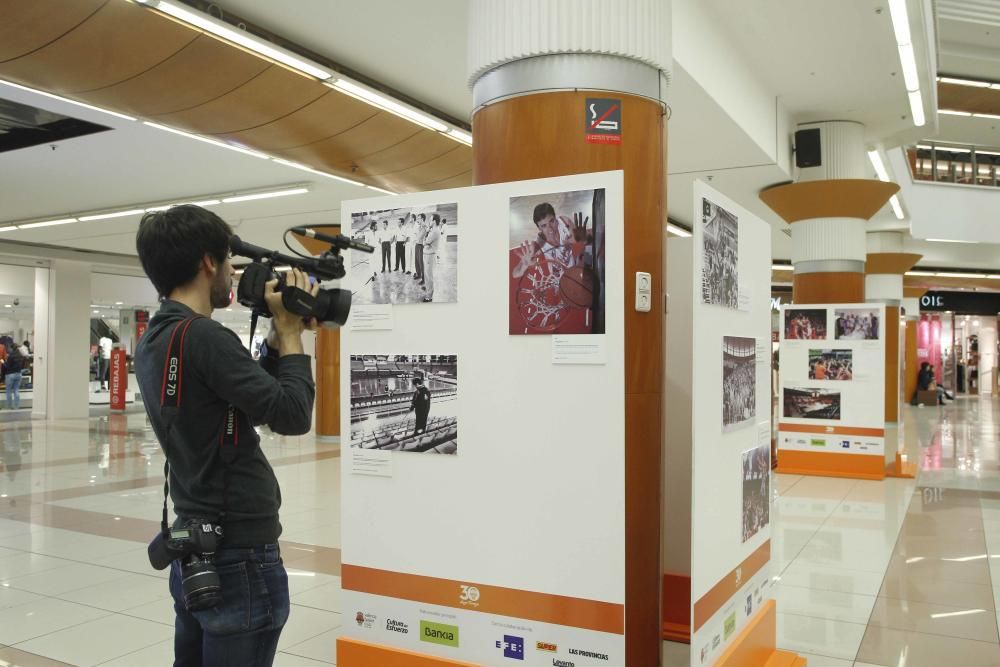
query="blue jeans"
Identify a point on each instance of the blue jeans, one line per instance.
(13, 384)
(243, 630)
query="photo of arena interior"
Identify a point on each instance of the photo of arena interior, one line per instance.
(812, 403)
(739, 394)
(383, 397)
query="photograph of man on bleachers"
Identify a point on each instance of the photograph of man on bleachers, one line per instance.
(405, 403)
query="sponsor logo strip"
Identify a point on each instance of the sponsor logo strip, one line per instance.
(728, 586)
(833, 464)
(543, 607)
(356, 653)
(831, 430)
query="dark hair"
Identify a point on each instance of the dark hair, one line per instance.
(172, 243)
(417, 381)
(542, 211)
(924, 366)
(436, 218)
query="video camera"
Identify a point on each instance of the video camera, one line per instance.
(330, 307)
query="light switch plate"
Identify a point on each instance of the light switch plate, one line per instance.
(643, 291)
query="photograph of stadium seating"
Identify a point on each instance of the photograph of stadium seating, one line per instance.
(856, 323)
(811, 403)
(831, 365)
(805, 324)
(739, 381)
(405, 403)
(756, 490)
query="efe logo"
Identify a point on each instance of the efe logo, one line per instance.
(513, 647)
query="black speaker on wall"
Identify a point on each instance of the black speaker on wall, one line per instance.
(808, 152)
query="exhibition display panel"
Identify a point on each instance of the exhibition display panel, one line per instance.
(832, 390)
(483, 421)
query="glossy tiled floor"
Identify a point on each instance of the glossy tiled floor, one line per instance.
(897, 573)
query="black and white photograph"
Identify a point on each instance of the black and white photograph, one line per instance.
(811, 403)
(739, 381)
(719, 256)
(756, 490)
(856, 323)
(831, 365)
(404, 403)
(415, 258)
(556, 276)
(805, 324)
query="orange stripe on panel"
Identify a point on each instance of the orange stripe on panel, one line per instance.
(832, 430)
(529, 605)
(755, 645)
(828, 464)
(727, 587)
(355, 653)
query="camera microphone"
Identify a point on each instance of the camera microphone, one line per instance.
(339, 241)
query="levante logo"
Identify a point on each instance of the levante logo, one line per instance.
(439, 633)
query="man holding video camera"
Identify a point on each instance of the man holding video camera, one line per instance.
(203, 394)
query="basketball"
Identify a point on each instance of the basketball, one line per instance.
(577, 287)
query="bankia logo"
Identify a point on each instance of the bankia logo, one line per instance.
(439, 633)
(513, 647)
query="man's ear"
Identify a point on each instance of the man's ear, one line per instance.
(208, 265)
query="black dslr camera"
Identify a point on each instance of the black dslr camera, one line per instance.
(195, 544)
(329, 307)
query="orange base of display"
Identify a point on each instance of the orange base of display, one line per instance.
(356, 653)
(826, 464)
(901, 468)
(677, 608)
(755, 645)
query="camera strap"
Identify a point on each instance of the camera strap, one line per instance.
(171, 394)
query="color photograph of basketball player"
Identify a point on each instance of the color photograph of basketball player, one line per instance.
(831, 365)
(404, 403)
(415, 258)
(720, 283)
(739, 381)
(756, 490)
(856, 323)
(811, 403)
(805, 324)
(556, 274)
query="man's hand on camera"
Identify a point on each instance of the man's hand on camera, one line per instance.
(288, 327)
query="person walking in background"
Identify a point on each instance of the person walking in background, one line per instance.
(430, 255)
(12, 377)
(105, 363)
(386, 237)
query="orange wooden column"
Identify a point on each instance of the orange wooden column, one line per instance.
(832, 287)
(542, 135)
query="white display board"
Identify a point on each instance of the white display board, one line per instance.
(731, 421)
(831, 397)
(508, 541)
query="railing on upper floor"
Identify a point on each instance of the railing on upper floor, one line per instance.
(948, 162)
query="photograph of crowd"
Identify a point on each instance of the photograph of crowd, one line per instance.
(415, 258)
(856, 323)
(756, 490)
(404, 403)
(811, 403)
(556, 277)
(805, 324)
(739, 381)
(831, 365)
(719, 256)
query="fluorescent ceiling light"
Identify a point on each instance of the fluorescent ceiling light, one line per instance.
(265, 195)
(945, 274)
(8, 229)
(986, 115)
(950, 149)
(911, 79)
(66, 99)
(678, 231)
(925, 147)
(114, 214)
(214, 142)
(953, 112)
(47, 223)
(461, 137)
(920, 273)
(387, 192)
(7, 305)
(900, 21)
(296, 165)
(917, 108)
(979, 152)
(876, 160)
(207, 202)
(947, 241)
(782, 267)
(964, 82)
(389, 105)
(897, 209)
(243, 38)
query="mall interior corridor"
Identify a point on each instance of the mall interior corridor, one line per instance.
(892, 573)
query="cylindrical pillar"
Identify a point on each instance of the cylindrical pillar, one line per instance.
(530, 64)
(66, 382)
(828, 208)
